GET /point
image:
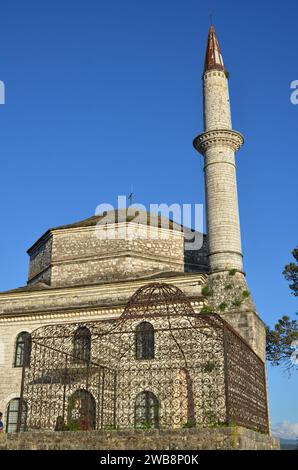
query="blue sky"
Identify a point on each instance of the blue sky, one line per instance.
(104, 94)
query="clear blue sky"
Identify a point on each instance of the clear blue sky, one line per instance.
(102, 94)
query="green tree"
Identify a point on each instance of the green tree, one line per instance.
(279, 346)
(279, 342)
(291, 273)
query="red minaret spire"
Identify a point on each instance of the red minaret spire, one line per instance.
(214, 60)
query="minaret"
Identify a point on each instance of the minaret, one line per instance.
(218, 145)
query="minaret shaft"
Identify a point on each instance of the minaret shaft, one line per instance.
(222, 211)
(217, 111)
(218, 145)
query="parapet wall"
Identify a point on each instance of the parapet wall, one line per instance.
(225, 438)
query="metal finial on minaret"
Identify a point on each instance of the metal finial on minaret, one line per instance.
(130, 197)
(218, 144)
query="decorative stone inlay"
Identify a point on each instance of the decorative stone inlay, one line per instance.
(232, 139)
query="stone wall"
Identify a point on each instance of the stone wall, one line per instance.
(40, 260)
(196, 261)
(226, 438)
(251, 328)
(88, 255)
(228, 295)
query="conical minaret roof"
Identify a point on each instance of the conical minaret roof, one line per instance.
(214, 59)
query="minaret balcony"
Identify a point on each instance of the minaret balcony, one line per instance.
(218, 137)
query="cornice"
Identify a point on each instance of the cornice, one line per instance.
(78, 314)
(121, 285)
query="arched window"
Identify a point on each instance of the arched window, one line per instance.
(23, 350)
(146, 410)
(82, 410)
(145, 341)
(82, 344)
(12, 415)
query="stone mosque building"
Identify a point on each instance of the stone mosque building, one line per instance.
(140, 332)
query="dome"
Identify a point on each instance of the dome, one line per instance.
(163, 298)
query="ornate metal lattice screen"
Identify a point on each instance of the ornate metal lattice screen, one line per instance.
(159, 365)
(246, 384)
